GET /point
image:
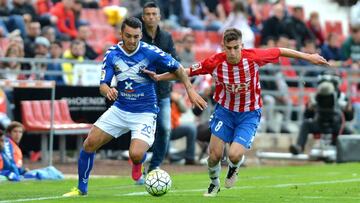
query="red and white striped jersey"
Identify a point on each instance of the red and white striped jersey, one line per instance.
(237, 86)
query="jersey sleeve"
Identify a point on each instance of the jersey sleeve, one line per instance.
(265, 56)
(163, 61)
(204, 67)
(107, 70)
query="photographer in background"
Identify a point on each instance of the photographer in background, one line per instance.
(326, 113)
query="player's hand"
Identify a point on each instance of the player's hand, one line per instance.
(112, 94)
(196, 99)
(318, 60)
(151, 74)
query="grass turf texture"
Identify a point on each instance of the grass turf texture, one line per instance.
(316, 183)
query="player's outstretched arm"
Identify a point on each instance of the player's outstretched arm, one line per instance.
(194, 97)
(312, 58)
(109, 92)
(163, 76)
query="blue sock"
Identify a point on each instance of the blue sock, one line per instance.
(144, 158)
(85, 164)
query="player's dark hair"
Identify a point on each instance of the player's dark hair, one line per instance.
(150, 4)
(131, 22)
(232, 34)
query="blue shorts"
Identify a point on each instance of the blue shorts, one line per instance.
(232, 126)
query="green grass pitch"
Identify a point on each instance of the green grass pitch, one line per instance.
(315, 183)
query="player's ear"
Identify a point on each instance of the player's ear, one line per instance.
(222, 46)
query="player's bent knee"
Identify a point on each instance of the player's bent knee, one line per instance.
(89, 145)
(215, 157)
(235, 157)
(136, 156)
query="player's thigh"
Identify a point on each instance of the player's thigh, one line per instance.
(95, 139)
(113, 122)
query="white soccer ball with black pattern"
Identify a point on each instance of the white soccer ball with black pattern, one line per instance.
(157, 182)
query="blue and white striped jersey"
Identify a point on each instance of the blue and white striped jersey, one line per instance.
(136, 90)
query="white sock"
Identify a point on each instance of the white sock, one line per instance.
(214, 173)
(232, 165)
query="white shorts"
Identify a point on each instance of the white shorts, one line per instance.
(116, 122)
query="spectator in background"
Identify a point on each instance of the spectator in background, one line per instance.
(331, 51)
(49, 33)
(66, 17)
(227, 6)
(215, 11)
(238, 19)
(8, 22)
(56, 52)
(25, 9)
(187, 54)
(193, 13)
(170, 12)
(275, 26)
(297, 28)
(152, 34)
(314, 26)
(179, 130)
(83, 35)
(42, 46)
(351, 47)
(13, 51)
(18, 40)
(77, 8)
(34, 30)
(43, 6)
(76, 52)
(196, 16)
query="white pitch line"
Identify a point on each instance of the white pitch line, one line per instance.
(322, 197)
(253, 187)
(31, 199)
(200, 190)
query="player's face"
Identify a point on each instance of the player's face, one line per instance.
(151, 17)
(131, 37)
(232, 50)
(16, 134)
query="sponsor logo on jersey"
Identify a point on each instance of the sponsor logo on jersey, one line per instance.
(236, 88)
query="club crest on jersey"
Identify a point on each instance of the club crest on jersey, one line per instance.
(128, 87)
(117, 68)
(196, 66)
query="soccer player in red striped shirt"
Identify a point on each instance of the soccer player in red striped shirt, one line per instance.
(238, 97)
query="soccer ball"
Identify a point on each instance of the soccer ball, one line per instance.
(157, 182)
